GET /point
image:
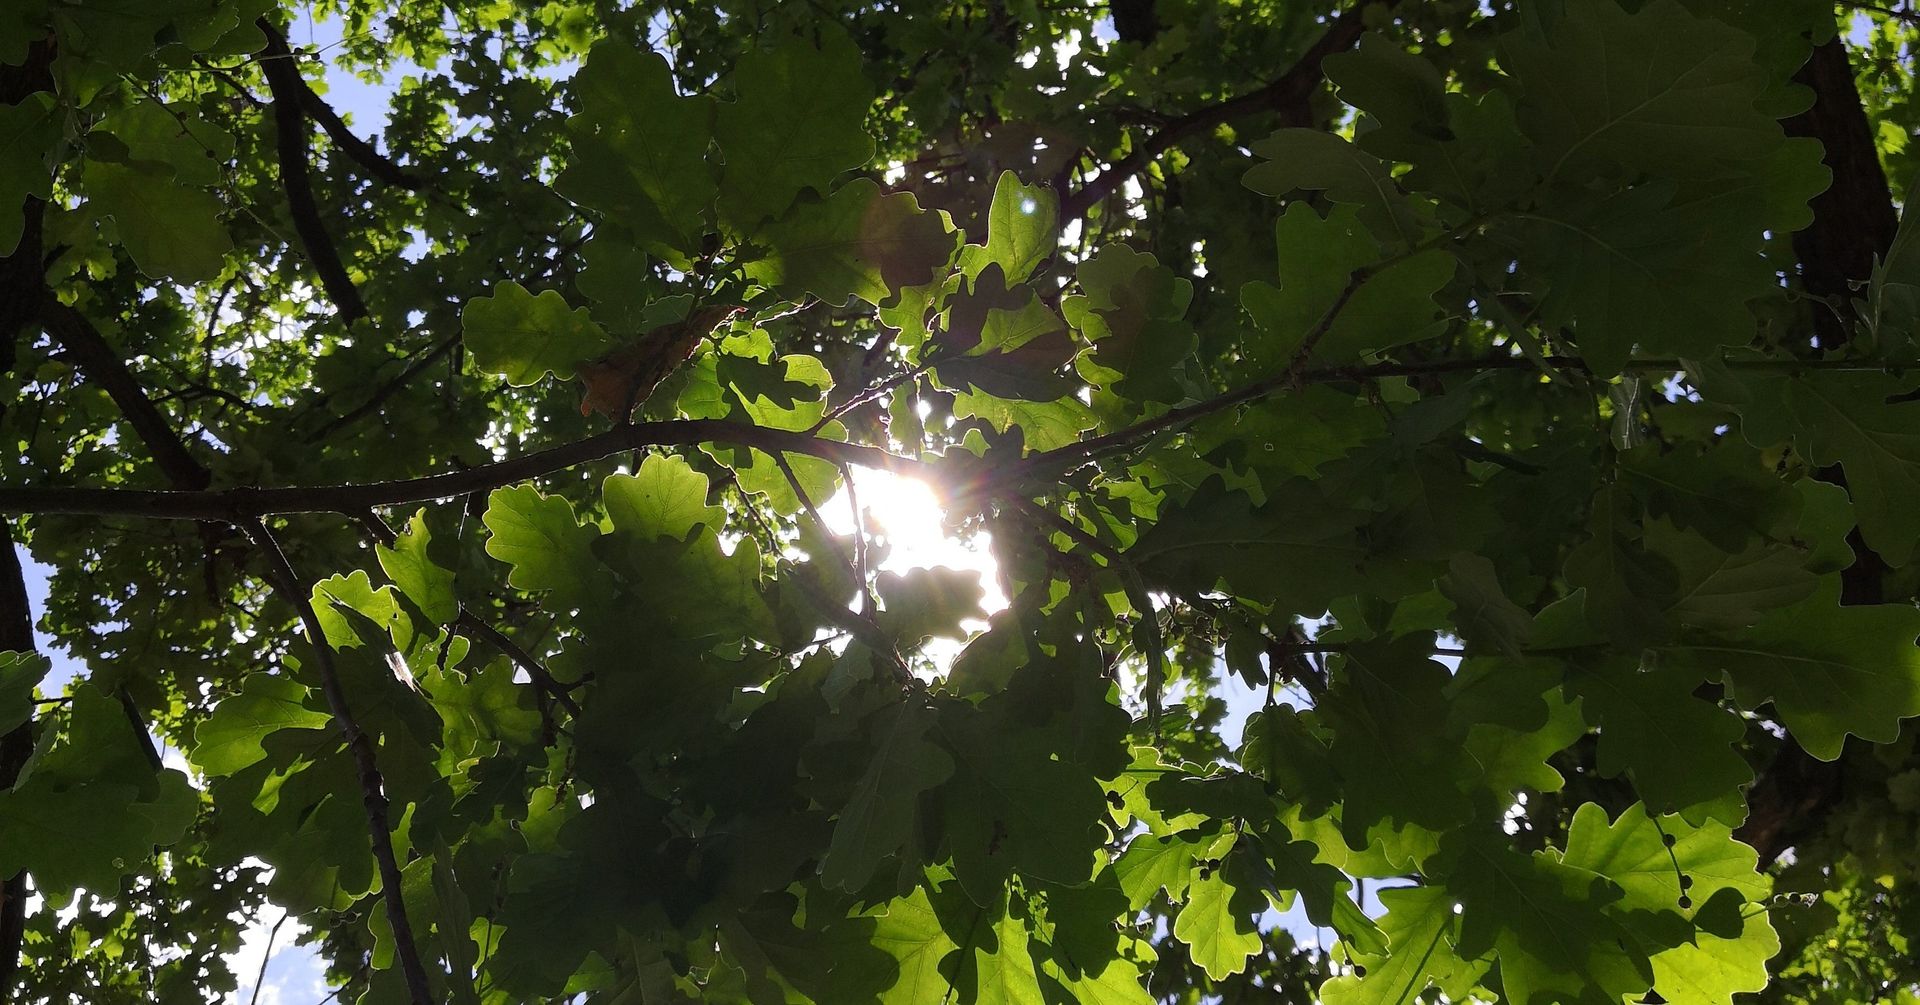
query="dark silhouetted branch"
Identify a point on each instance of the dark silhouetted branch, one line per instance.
(379, 165)
(1287, 95)
(385, 392)
(514, 652)
(106, 367)
(373, 797)
(294, 147)
(16, 747)
(352, 499)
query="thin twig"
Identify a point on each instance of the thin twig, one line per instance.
(1287, 94)
(859, 624)
(859, 541)
(385, 392)
(260, 979)
(518, 655)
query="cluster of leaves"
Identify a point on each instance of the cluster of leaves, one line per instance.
(1462, 389)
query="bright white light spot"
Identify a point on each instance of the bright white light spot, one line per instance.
(905, 515)
(1067, 48)
(1027, 206)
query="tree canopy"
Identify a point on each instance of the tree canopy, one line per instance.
(1513, 407)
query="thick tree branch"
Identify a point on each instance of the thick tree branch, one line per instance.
(1854, 219)
(293, 139)
(237, 503)
(1286, 95)
(1853, 224)
(16, 746)
(373, 797)
(379, 165)
(961, 485)
(22, 287)
(106, 367)
(23, 270)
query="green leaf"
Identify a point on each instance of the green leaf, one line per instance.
(95, 807)
(90, 836)
(1723, 592)
(1892, 310)
(1020, 226)
(878, 819)
(1401, 90)
(797, 121)
(1323, 889)
(1217, 922)
(1721, 877)
(233, 737)
(1657, 91)
(926, 602)
(1422, 930)
(1003, 341)
(20, 674)
(1679, 749)
(1545, 921)
(1117, 982)
(1321, 161)
(664, 501)
(1662, 269)
(352, 612)
(170, 231)
(1633, 852)
(1133, 311)
(858, 242)
(910, 933)
(423, 580)
(1258, 551)
(1152, 864)
(1013, 806)
(1487, 617)
(174, 137)
(639, 149)
(483, 705)
(538, 535)
(1390, 748)
(1003, 965)
(1627, 589)
(524, 337)
(1318, 258)
(1847, 419)
(1829, 670)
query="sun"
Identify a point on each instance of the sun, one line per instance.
(906, 515)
